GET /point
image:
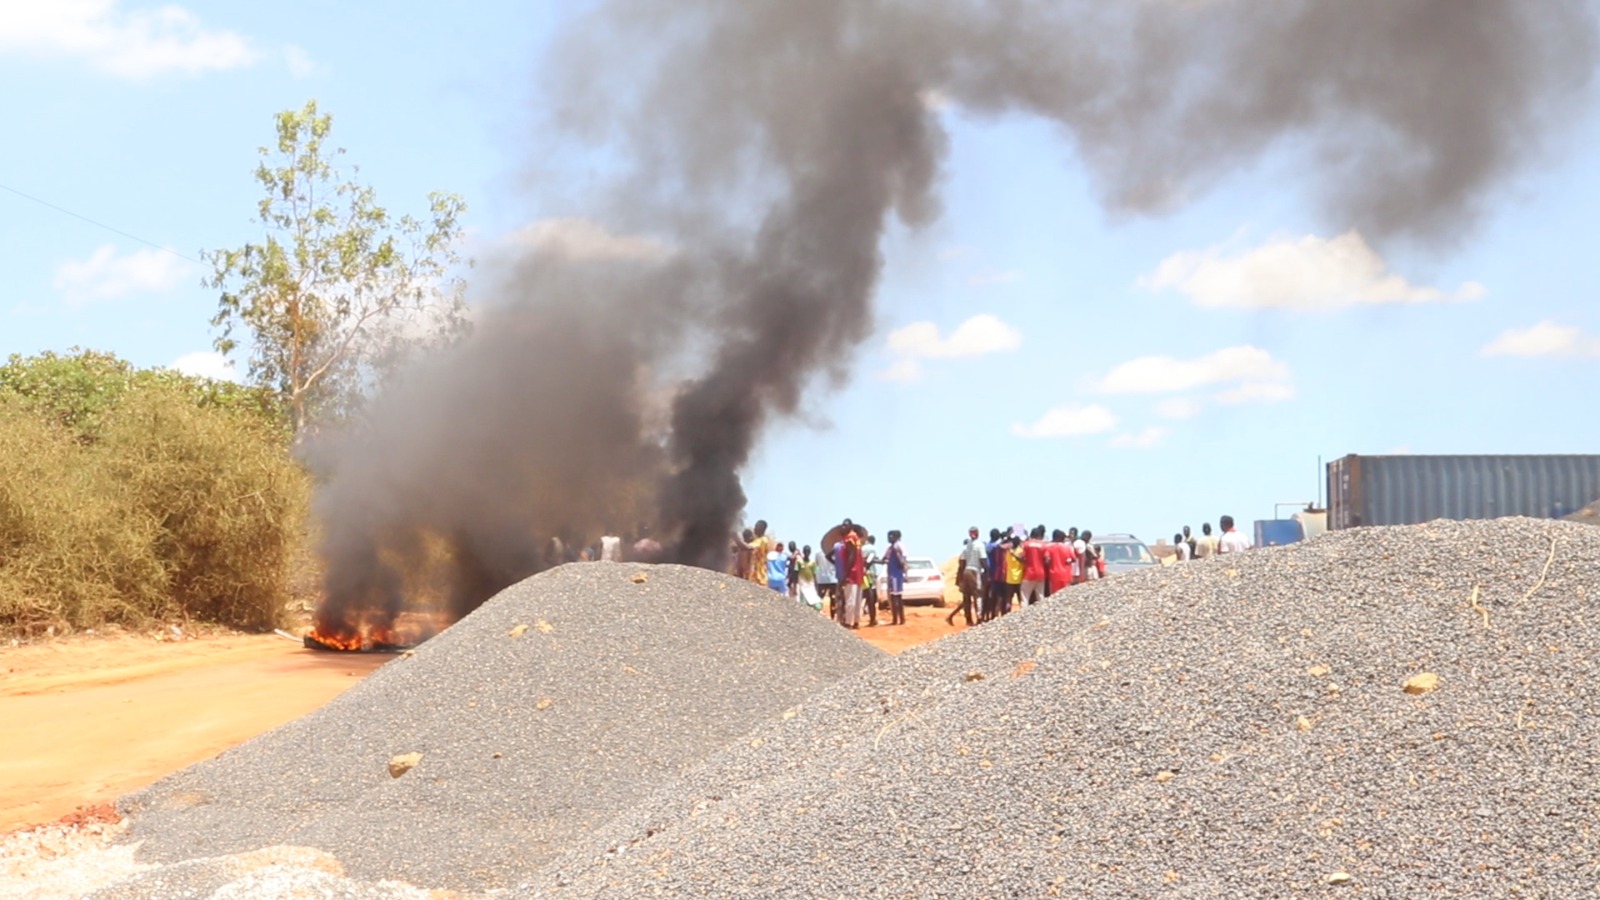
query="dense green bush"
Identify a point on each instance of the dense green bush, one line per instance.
(128, 496)
(77, 390)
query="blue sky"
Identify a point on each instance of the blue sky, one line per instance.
(1032, 358)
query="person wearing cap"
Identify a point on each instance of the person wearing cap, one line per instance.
(969, 576)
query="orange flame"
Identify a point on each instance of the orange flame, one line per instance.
(368, 632)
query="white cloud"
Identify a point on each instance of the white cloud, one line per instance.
(1074, 420)
(105, 275)
(1255, 392)
(1180, 408)
(980, 335)
(977, 336)
(1152, 436)
(995, 278)
(300, 63)
(1309, 273)
(1166, 374)
(1544, 339)
(206, 364)
(905, 371)
(129, 43)
(586, 241)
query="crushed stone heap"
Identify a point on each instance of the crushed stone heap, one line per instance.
(1396, 712)
(561, 702)
(1589, 515)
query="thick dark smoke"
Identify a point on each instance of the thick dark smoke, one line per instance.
(769, 143)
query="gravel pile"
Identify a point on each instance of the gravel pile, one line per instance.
(1387, 712)
(1589, 515)
(561, 702)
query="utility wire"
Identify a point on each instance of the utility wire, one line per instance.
(100, 224)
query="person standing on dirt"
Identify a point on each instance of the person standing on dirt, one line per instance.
(869, 581)
(806, 579)
(852, 574)
(895, 562)
(793, 570)
(828, 585)
(969, 577)
(1182, 546)
(1033, 566)
(996, 573)
(1206, 546)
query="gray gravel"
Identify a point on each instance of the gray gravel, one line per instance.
(528, 742)
(1589, 515)
(1229, 727)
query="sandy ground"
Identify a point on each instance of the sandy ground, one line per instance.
(86, 720)
(923, 624)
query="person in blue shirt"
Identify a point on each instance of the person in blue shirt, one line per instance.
(991, 576)
(895, 560)
(777, 566)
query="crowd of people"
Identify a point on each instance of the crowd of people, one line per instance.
(1012, 569)
(1207, 544)
(839, 579)
(1009, 569)
(995, 576)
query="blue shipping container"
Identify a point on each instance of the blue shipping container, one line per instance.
(1277, 532)
(1408, 490)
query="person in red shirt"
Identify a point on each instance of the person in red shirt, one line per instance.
(852, 572)
(1058, 559)
(1033, 566)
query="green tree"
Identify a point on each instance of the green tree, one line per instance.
(339, 292)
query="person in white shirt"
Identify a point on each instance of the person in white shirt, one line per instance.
(969, 578)
(1232, 541)
(1182, 547)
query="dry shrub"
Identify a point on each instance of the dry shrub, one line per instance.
(69, 555)
(174, 510)
(229, 502)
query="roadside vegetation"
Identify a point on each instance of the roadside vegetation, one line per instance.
(133, 496)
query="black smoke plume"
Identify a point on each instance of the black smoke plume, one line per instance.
(763, 146)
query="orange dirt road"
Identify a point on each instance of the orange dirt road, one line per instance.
(86, 720)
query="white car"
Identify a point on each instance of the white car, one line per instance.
(1125, 553)
(924, 582)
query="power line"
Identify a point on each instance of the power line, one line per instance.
(125, 234)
